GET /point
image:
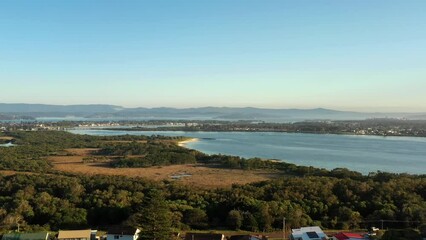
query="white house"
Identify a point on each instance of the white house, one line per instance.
(123, 233)
(308, 233)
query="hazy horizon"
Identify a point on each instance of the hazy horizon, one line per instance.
(364, 56)
(384, 110)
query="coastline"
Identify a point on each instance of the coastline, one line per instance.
(362, 144)
(184, 142)
(176, 129)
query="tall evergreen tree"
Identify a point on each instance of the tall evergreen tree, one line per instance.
(156, 218)
(234, 219)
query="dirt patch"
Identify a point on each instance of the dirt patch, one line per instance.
(6, 138)
(82, 151)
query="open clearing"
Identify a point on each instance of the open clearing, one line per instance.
(83, 152)
(6, 138)
(203, 175)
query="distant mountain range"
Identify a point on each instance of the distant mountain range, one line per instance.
(98, 111)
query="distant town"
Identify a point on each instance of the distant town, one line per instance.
(377, 127)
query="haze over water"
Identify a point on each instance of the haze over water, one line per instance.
(359, 153)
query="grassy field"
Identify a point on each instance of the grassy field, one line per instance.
(202, 175)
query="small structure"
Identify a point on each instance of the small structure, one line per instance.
(77, 234)
(308, 233)
(204, 236)
(123, 233)
(26, 236)
(348, 236)
(247, 237)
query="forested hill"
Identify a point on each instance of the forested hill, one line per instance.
(226, 113)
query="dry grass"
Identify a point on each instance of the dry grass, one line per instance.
(6, 138)
(82, 151)
(7, 172)
(202, 175)
(11, 172)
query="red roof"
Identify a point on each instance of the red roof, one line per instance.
(343, 236)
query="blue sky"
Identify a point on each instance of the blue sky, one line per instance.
(357, 54)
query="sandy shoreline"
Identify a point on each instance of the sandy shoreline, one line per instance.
(183, 143)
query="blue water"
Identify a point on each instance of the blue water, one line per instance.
(360, 153)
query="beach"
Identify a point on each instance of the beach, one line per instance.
(183, 143)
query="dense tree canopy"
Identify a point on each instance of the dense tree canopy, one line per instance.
(57, 202)
(339, 198)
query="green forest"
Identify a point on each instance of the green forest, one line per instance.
(151, 153)
(42, 198)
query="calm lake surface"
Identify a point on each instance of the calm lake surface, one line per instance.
(360, 153)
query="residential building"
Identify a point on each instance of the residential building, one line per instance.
(349, 236)
(87, 234)
(247, 237)
(308, 233)
(123, 233)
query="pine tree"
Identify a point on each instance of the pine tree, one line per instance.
(156, 218)
(234, 219)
